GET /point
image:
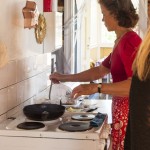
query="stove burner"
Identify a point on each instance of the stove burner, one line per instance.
(75, 126)
(48, 122)
(83, 117)
(30, 125)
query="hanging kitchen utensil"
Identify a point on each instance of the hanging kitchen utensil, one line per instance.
(43, 112)
(40, 29)
(30, 14)
(50, 89)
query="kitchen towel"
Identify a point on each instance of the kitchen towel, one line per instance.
(98, 120)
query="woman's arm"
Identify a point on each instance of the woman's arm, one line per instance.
(115, 89)
(85, 76)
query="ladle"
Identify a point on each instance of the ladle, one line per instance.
(50, 89)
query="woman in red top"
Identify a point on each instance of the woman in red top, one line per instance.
(120, 17)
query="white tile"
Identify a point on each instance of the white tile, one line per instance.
(41, 82)
(3, 118)
(3, 100)
(40, 63)
(29, 66)
(30, 86)
(21, 106)
(12, 97)
(12, 112)
(47, 61)
(20, 92)
(20, 70)
(48, 72)
(48, 55)
(26, 68)
(28, 102)
(12, 72)
(4, 77)
(40, 97)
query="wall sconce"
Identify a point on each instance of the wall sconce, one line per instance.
(30, 14)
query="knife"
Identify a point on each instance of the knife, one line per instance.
(92, 109)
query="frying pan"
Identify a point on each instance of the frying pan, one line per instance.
(43, 112)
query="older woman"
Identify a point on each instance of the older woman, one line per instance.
(120, 17)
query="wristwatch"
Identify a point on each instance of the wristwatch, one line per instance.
(99, 87)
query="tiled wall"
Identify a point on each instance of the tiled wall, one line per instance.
(23, 82)
(25, 78)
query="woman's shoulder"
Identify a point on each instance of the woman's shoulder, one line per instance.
(131, 34)
(132, 38)
(129, 44)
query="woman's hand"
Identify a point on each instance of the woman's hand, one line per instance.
(84, 89)
(56, 77)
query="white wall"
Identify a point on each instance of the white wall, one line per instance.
(24, 79)
(143, 17)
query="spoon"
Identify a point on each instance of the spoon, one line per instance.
(50, 89)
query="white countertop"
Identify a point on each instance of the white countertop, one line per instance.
(104, 106)
(95, 139)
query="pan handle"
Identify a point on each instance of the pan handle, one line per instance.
(60, 102)
(45, 115)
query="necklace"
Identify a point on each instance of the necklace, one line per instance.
(121, 35)
(117, 41)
